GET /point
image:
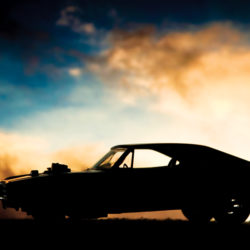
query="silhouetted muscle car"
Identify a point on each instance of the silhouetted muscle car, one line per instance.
(203, 182)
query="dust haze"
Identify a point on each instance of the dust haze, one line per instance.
(198, 77)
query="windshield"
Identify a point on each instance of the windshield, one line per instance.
(108, 160)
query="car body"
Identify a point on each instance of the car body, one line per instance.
(201, 181)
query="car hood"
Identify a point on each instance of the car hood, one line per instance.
(42, 175)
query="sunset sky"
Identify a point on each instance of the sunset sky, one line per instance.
(77, 77)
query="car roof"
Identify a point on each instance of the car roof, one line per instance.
(186, 151)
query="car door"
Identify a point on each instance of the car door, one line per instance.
(140, 184)
(157, 188)
(117, 193)
(120, 181)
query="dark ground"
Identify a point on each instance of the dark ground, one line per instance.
(123, 233)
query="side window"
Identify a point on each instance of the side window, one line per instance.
(145, 158)
(127, 163)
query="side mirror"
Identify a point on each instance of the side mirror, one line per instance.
(125, 165)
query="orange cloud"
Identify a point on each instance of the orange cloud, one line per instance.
(199, 78)
(19, 154)
(148, 62)
(79, 158)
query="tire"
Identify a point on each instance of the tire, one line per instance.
(232, 211)
(197, 215)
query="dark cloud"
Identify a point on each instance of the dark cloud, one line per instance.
(9, 27)
(13, 27)
(27, 18)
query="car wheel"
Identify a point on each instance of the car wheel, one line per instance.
(197, 215)
(232, 211)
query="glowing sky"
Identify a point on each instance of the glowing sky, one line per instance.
(77, 77)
